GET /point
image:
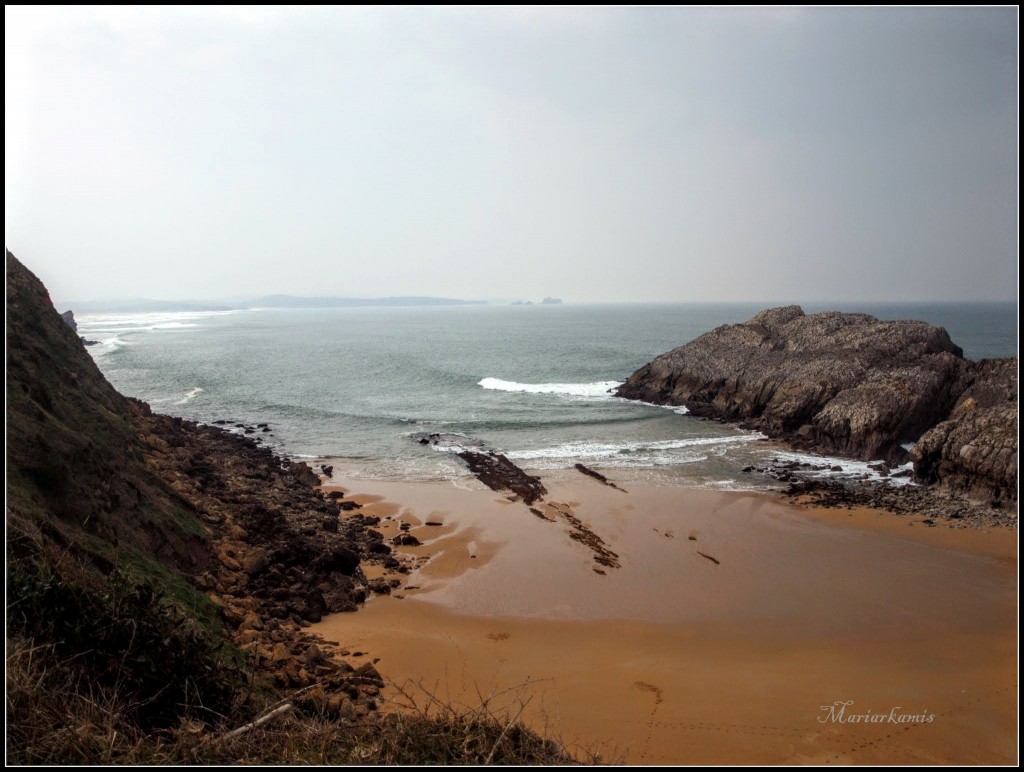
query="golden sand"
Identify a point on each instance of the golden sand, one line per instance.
(734, 622)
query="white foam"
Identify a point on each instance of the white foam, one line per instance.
(599, 389)
(450, 447)
(107, 345)
(172, 325)
(190, 396)
(850, 468)
(99, 324)
(145, 319)
(681, 409)
(455, 443)
(652, 452)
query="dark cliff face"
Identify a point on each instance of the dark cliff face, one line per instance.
(842, 383)
(76, 462)
(107, 500)
(974, 450)
(99, 477)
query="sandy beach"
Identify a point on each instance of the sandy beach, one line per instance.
(735, 627)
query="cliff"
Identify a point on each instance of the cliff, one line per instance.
(118, 517)
(855, 386)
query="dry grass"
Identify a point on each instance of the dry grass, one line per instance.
(55, 716)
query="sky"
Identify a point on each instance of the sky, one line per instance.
(595, 154)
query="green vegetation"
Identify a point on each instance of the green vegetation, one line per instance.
(57, 713)
(128, 638)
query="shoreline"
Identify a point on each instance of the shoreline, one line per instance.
(720, 648)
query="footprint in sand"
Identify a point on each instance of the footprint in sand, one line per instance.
(656, 691)
(646, 687)
(498, 636)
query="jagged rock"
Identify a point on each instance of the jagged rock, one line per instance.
(975, 450)
(340, 559)
(498, 473)
(597, 476)
(302, 473)
(852, 385)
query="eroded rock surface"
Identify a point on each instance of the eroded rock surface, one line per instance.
(852, 385)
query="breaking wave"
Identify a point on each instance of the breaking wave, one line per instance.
(601, 389)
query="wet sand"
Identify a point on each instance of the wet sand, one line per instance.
(732, 620)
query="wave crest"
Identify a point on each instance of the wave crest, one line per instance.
(597, 389)
(622, 450)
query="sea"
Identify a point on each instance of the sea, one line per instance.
(359, 387)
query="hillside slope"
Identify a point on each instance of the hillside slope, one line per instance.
(204, 530)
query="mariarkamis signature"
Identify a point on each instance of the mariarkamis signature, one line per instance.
(842, 712)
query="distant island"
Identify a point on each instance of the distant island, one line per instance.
(544, 302)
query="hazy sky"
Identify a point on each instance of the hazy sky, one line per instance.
(594, 154)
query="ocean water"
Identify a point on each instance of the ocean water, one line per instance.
(360, 386)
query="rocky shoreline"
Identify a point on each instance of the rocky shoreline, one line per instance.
(851, 385)
(939, 507)
(100, 487)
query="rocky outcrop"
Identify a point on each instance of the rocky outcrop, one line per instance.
(851, 385)
(974, 450)
(499, 474)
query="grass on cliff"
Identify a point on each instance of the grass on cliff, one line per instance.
(56, 714)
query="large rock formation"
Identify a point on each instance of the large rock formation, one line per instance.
(852, 385)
